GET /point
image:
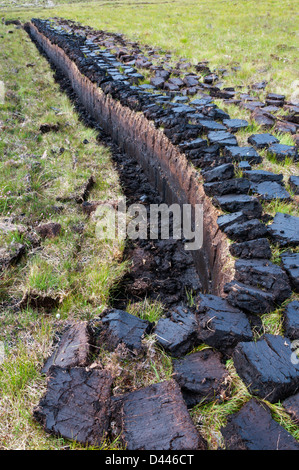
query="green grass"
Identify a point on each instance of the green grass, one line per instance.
(260, 36)
(210, 418)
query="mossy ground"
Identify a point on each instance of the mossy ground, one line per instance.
(36, 168)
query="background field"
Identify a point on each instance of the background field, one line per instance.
(261, 36)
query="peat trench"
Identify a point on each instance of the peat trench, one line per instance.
(159, 137)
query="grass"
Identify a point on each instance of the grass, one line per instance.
(37, 168)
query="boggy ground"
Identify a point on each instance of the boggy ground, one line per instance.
(237, 394)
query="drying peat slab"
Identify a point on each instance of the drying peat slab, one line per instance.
(201, 376)
(285, 230)
(76, 404)
(266, 367)
(155, 418)
(267, 185)
(256, 248)
(249, 230)
(248, 298)
(240, 202)
(235, 185)
(181, 79)
(261, 141)
(290, 262)
(11, 255)
(281, 152)
(259, 285)
(253, 428)
(294, 184)
(291, 320)
(265, 275)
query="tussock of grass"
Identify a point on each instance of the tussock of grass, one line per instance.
(148, 310)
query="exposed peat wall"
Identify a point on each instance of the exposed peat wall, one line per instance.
(167, 169)
(230, 327)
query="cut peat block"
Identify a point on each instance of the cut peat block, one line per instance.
(291, 320)
(261, 176)
(253, 428)
(281, 152)
(76, 404)
(220, 325)
(290, 262)
(155, 418)
(220, 173)
(119, 327)
(177, 333)
(233, 186)
(266, 368)
(201, 376)
(249, 298)
(284, 230)
(291, 406)
(259, 248)
(226, 220)
(222, 138)
(249, 230)
(244, 166)
(239, 154)
(73, 348)
(239, 202)
(267, 185)
(193, 144)
(208, 125)
(234, 125)
(259, 286)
